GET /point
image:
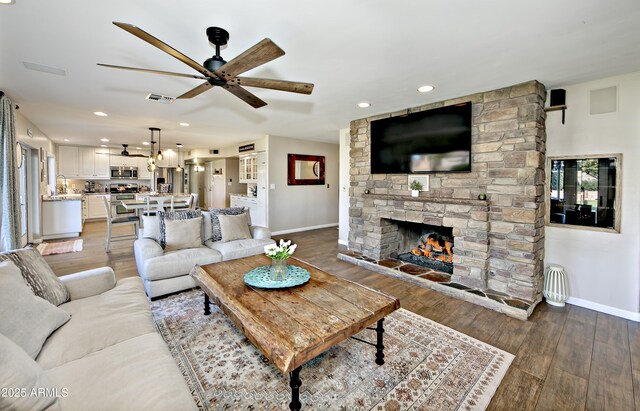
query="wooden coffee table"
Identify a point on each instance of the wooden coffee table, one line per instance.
(295, 325)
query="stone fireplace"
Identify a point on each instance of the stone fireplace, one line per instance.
(498, 243)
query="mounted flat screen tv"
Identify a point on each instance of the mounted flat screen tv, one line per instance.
(431, 141)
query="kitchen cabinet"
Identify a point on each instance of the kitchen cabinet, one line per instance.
(93, 163)
(118, 160)
(61, 218)
(255, 210)
(83, 162)
(68, 161)
(170, 159)
(95, 206)
(249, 169)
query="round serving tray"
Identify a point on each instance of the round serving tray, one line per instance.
(260, 277)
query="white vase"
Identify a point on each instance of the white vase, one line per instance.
(415, 193)
(555, 288)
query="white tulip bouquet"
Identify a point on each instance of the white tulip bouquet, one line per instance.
(280, 252)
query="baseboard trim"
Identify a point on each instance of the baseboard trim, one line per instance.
(629, 315)
(343, 242)
(297, 230)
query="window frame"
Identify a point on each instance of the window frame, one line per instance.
(618, 193)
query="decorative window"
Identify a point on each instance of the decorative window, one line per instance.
(584, 191)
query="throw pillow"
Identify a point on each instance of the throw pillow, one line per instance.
(151, 227)
(164, 216)
(234, 227)
(25, 319)
(38, 275)
(181, 234)
(215, 224)
(22, 375)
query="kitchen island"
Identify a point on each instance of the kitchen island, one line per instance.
(61, 216)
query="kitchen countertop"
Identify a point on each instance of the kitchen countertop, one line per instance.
(242, 195)
(63, 197)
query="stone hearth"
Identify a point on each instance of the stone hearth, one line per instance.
(499, 242)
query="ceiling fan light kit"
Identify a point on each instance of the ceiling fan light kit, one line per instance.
(217, 71)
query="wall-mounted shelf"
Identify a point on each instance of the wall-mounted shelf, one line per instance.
(556, 108)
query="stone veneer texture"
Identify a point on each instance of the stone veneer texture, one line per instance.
(499, 243)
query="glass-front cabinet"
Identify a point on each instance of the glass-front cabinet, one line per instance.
(249, 169)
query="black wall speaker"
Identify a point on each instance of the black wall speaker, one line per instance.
(558, 97)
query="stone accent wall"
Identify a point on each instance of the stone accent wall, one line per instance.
(499, 243)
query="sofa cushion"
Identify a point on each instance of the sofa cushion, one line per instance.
(137, 374)
(216, 235)
(239, 248)
(174, 216)
(20, 373)
(234, 227)
(182, 234)
(151, 227)
(98, 322)
(176, 263)
(38, 275)
(25, 319)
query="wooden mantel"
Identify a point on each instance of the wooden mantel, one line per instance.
(448, 200)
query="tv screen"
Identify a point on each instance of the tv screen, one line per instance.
(430, 141)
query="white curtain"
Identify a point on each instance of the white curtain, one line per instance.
(9, 190)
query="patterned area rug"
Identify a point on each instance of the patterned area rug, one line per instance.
(427, 366)
(60, 247)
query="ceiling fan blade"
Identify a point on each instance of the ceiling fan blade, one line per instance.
(164, 47)
(168, 73)
(197, 90)
(261, 53)
(244, 95)
(292, 86)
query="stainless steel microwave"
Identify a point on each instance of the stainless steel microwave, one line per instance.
(125, 173)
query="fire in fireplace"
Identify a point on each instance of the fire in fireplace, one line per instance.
(425, 245)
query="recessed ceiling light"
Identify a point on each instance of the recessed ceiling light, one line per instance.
(103, 145)
(425, 89)
(145, 143)
(100, 113)
(138, 148)
(7, 1)
(179, 145)
(184, 124)
(67, 140)
(364, 104)
(106, 140)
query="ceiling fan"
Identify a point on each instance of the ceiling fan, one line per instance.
(217, 71)
(125, 153)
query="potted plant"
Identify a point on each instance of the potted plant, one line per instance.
(279, 255)
(415, 187)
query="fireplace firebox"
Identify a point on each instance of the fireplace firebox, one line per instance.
(426, 245)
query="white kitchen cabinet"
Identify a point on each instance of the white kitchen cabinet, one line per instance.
(249, 169)
(93, 163)
(61, 218)
(255, 211)
(170, 159)
(118, 160)
(141, 163)
(68, 161)
(95, 206)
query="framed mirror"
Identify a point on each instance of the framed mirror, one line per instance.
(305, 170)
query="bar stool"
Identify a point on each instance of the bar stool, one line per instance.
(118, 221)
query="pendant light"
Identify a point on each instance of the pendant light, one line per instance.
(159, 156)
(178, 169)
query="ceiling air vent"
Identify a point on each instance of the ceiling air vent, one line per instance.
(214, 151)
(160, 98)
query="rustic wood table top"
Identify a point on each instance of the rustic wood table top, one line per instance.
(293, 326)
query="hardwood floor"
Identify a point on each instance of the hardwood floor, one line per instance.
(567, 358)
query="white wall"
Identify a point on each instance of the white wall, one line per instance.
(603, 268)
(345, 143)
(297, 208)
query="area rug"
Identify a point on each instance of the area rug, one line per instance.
(427, 365)
(60, 247)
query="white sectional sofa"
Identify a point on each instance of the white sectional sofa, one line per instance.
(107, 354)
(165, 272)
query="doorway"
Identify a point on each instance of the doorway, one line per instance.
(23, 189)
